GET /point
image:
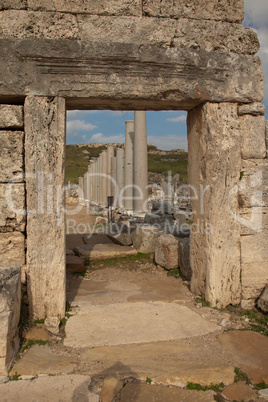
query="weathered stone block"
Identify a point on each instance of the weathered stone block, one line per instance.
(10, 297)
(205, 35)
(214, 171)
(11, 156)
(263, 300)
(184, 258)
(255, 109)
(12, 249)
(253, 186)
(13, 4)
(12, 207)
(180, 217)
(253, 137)
(75, 263)
(25, 24)
(11, 116)
(44, 161)
(185, 77)
(161, 207)
(120, 234)
(266, 137)
(226, 10)
(167, 252)
(144, 238)
(104, 7)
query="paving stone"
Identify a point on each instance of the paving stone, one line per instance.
(248, 351)
(37, 333)
(40, 359)
(156, 393)
(239, 391)
(111, 387)
(71, 388)
(126, 323)
(105, 251)
(75, 263)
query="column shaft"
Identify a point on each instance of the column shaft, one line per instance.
(129, 172)
(120, 174)
(140, 163)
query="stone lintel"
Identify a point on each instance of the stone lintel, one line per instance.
(127, 73)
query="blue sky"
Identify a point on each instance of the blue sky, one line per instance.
(166, 129)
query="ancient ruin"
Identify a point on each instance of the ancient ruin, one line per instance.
(130, 55)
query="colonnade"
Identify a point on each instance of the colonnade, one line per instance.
(120, 172)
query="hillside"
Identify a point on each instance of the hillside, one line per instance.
(160, 162)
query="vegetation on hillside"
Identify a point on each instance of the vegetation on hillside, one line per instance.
(78, 158)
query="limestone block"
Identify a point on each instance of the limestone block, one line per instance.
(180, 217)
(182, 231)
(167, 252)
(144, 238)
(184, 33)
(254, 262)
(13, 4)
(52, 324)
(232, 11)
(253, 137)
(11, 156)
(253, 186)
(44, 161)
(25, 24)
(206, 35)
(11, 116)
(10, 297)
(120, 234)
(161, 207)
(104, 7)
(266, 137)
(12, 207)
(184, 258)
(185, 77)
(263, 300)
(12, 249)
(214, 171)
(154, 219)
(254, 109)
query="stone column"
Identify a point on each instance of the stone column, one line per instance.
(113, 175)
(80, 188)
(99, 173)
(85, 186)
(104, 177)
(214, 167)
(110, 154)
(45, 176)
(129, 173)
(95, 184)
(140, 163)
(120, 174)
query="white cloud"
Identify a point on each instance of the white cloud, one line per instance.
(177, 119)
(256, 12)
(79, 125)
(168, 142)
(99, 138)
(80, 114)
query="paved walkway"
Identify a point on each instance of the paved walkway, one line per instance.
(138, 335)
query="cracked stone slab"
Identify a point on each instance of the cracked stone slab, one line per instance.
(127, 323)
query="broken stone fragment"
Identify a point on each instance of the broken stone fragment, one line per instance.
(52, 325)
(167, 252)
(263, 300)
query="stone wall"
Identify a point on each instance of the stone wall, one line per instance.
(135, 54)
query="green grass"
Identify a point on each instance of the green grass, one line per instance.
(77, 160)
(171, 162)
(213, 387)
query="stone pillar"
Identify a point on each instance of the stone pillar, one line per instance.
(140, 163)
(113, 175)
(99, 177)
(214, 167)
(104, 177)
(129, 173)
(95, 184)
(85, 186)
(45, 176)
(120, 174)
(80, 188)
(110, 154)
